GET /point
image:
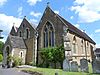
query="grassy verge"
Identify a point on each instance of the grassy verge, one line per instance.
(47, 71)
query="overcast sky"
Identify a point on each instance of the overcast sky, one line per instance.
(84, 14)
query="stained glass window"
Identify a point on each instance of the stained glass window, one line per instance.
(48, 35)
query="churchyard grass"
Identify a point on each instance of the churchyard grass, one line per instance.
(48, 71)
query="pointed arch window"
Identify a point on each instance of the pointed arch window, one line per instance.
(27, 33)
(20, 34)
(8, 50)
(82, 46)
(74, 45)
(87, 47)
(48, 34)
(21, 54)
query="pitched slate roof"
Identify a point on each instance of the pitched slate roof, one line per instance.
(17, 42)
(71, 27)
(14, 31)
(76, 30)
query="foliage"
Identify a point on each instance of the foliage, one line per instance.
(9, 58)
(46, 55)
(1, 46)
(17, 61)
(32, 63)
(1, 57)
(52, 54)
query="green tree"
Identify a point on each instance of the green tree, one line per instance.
(53, 54)
(46, 55)
(60, 55)
(1, 57)
(1, 47)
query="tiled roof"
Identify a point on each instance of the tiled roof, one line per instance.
(14, 31)
(76, 30)
(71, 27)
(17, 42)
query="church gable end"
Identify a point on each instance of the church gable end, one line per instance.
(50, 17)
(26, 30)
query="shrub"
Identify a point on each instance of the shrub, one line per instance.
(30, 63)
(17, 61)
(1, 57)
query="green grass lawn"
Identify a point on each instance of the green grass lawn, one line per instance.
(48, 71)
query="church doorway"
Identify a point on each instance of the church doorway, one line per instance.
(8, 53)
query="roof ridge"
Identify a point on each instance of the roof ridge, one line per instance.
(76, 30)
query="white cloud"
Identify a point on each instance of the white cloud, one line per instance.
(33, 2)
(2, 2)
(6, 23)
(20, 9)
(97, 31)
(9, 20)
(35, 14)
(56, 11)
(77, 25)
(34, 21)
(71, 17)
(87, 10)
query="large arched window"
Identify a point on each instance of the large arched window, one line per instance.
(74, 45)
(48, 34)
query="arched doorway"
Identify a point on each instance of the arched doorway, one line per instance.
(8, 53)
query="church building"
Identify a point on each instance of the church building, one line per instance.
(53, 30)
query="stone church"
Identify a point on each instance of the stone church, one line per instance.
(53, 30)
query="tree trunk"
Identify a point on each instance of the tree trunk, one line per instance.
(61, 64)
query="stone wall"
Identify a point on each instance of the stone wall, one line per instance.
(26, 25)
(30, 54)
(49, 16)
(17, 52)
(79, 53)
(58, 24)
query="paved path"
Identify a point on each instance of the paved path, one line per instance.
(11, 71)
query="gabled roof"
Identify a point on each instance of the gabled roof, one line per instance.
(25, 21)
(71, 27)
(14, 31)
(76, 30)
(17, 42)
